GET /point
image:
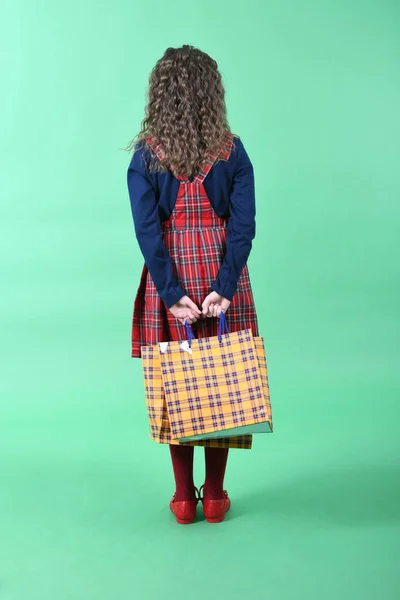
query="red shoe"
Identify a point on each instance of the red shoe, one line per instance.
(184, 510)
(215, 510)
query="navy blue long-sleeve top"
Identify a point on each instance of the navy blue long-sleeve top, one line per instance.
(230, 189)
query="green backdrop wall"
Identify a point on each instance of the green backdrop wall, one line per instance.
(313, 90)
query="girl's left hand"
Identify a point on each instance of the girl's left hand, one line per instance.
(213, 304)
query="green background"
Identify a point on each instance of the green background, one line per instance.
(313, 90)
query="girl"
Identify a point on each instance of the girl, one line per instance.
(191, 188)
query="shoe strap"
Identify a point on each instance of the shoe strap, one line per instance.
(197, 494)
(200, 497)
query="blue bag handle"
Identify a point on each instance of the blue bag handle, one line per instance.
(189, 333)
(222, 328)
(223, 325)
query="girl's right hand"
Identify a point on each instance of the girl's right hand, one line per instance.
(186, 310)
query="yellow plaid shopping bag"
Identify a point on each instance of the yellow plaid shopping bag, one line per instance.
(160, 430)
(216, 386)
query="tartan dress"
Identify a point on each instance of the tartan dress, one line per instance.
(196, 240)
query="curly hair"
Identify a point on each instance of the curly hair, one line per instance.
(185, 111)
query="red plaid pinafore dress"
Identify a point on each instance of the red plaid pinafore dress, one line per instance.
(196, 240)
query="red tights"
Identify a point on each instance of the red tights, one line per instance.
(182, 462)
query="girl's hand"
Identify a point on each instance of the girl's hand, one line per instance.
(213, 304)
(185, 310)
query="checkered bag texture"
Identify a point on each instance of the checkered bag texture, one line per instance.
(215, 384)
(262, 363)
(160, 430)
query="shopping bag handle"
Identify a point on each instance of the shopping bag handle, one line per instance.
(222, 328)
(189, 333)
(223, 325)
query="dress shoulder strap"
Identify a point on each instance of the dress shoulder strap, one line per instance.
(159, 152)
(223, 152)
(155, 146)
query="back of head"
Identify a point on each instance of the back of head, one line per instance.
(186, 110)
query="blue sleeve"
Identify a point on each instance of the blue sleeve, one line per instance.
(148, 230)
(241, 228)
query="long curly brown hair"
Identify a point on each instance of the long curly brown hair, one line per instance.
(185, 111)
